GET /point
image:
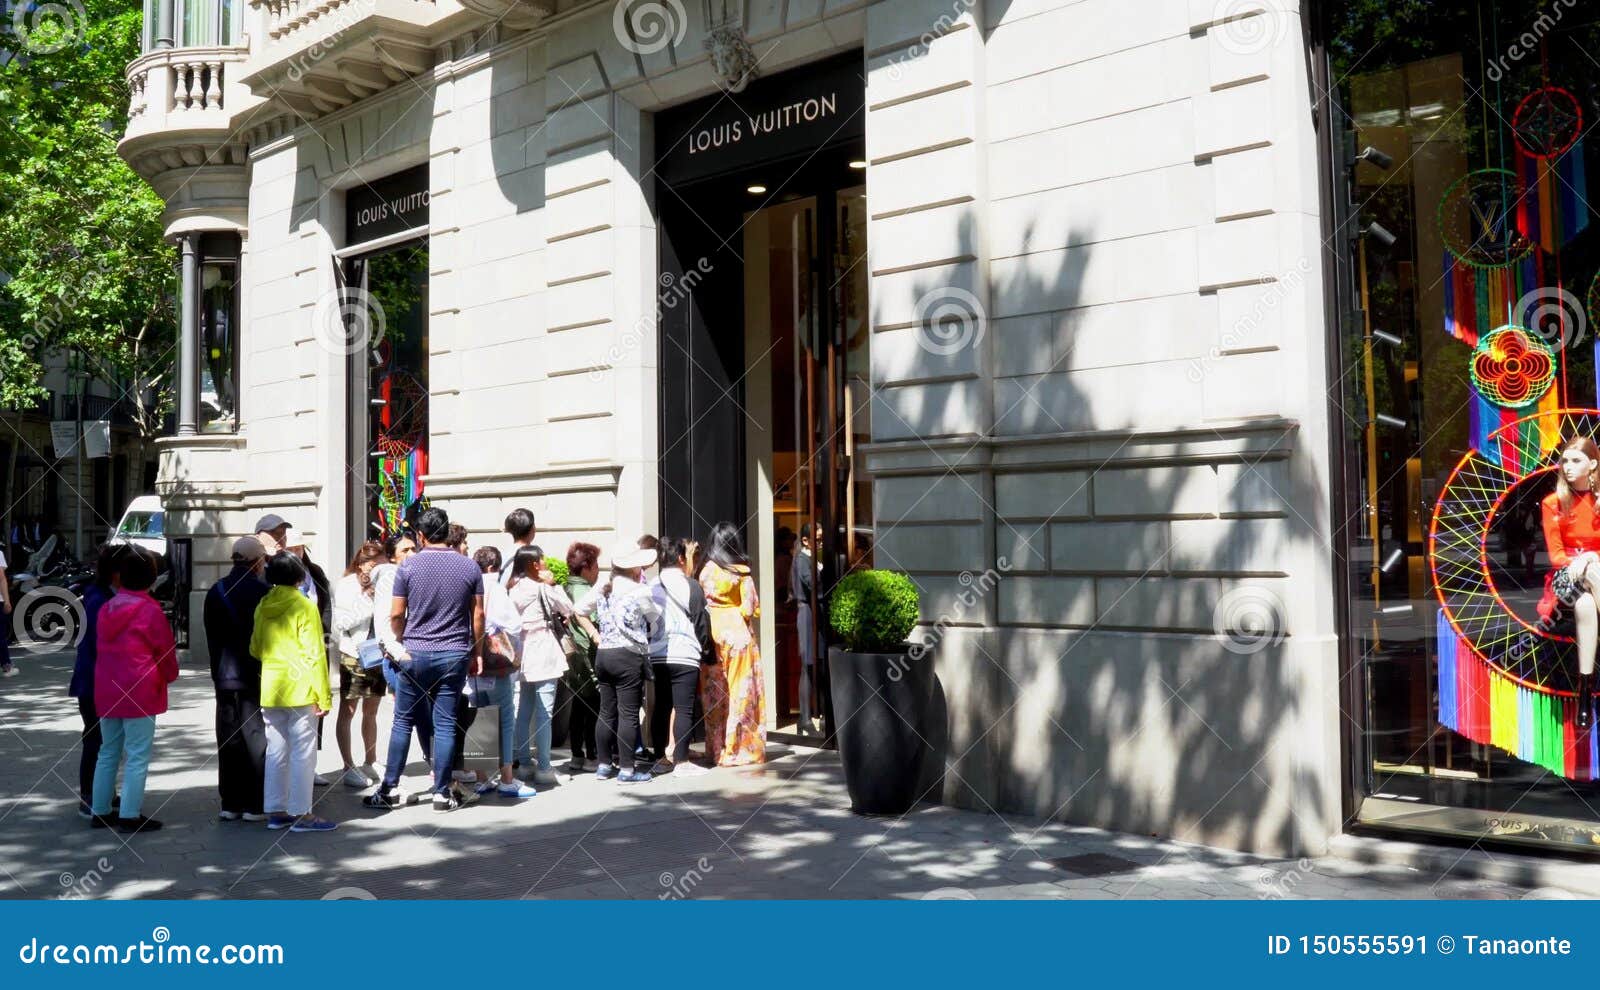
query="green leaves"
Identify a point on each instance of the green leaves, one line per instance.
(80, 233)
(873, 611)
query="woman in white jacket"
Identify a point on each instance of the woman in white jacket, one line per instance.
(543, 606)
(358, 687)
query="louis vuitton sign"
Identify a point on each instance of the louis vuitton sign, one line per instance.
(777, 116)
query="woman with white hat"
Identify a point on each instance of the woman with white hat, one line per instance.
(628, 617)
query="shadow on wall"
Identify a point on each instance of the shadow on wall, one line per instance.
(1141, 676)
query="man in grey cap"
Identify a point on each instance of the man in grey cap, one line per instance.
(230, 618)
(272, 529)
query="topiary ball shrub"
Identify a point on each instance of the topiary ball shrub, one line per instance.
(873, 611)
(558, 568)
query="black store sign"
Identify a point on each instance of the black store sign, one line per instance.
(787, 114)
(387, 206)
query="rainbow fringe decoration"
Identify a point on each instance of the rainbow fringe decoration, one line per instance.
(1476, 300)
(400, 486)
(1539, 435)
(1479, 702)
(1556, 207)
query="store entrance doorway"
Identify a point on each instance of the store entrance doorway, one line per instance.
(764, 368)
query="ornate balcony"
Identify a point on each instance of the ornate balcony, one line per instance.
(185, 108)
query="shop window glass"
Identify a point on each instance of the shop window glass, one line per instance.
(219, 335)
(1468, 354)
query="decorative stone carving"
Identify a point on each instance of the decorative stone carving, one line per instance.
(732, 58)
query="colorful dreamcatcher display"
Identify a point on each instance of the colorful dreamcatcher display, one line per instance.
(1513, 372)
(1511, 368)
(401, 457)
(1547, 127)
(1489, 263)
(1504, 681)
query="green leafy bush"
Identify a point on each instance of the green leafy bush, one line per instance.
(558, 567)
(873, 611)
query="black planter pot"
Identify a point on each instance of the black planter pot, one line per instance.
(880, 701)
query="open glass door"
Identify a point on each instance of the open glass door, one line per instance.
(807, 331)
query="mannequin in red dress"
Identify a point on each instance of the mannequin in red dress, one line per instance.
(1572, 538)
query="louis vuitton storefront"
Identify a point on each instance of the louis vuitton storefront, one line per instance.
(1022, 300)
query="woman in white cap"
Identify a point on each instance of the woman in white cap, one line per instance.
(628, 617)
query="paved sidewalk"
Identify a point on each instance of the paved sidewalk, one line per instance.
(779, 831)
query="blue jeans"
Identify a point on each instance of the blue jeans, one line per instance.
(503, 697)
(431, 682)
(536, 702)
(119, 736)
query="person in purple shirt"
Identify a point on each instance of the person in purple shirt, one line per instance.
(437, 618)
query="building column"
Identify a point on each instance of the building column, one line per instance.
(164, 23)
(189, 337)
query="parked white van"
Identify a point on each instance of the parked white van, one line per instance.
(143, 524)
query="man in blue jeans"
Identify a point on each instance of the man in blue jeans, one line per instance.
(437, 618)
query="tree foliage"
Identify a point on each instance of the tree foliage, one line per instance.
(81, 243)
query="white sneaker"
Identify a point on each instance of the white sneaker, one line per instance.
(322, 780)
(12, 672)
(371, 773)
(355, 778)
(687, 769)
(228, 816)
(544, 778)
(254, 816)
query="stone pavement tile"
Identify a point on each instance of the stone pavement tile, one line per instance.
(782, 830)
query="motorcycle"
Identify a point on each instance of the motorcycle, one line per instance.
(42, 616)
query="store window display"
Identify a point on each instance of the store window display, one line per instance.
(1467, 380)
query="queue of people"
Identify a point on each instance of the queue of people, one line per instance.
(666, 639)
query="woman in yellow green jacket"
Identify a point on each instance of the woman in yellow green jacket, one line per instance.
(288, 640)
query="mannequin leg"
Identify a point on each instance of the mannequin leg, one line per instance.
(1588, 620)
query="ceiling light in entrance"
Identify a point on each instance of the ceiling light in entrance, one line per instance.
(756, 190)
(858, 164)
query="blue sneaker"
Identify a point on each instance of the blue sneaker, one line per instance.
(605, 771)
(516, 789)
(634, 777)
(276, 822)
(311, 823)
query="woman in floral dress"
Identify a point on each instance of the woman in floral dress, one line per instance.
(733, 694)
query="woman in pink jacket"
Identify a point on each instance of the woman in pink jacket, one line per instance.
(136, 660)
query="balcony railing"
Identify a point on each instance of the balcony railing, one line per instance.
(185, 90)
